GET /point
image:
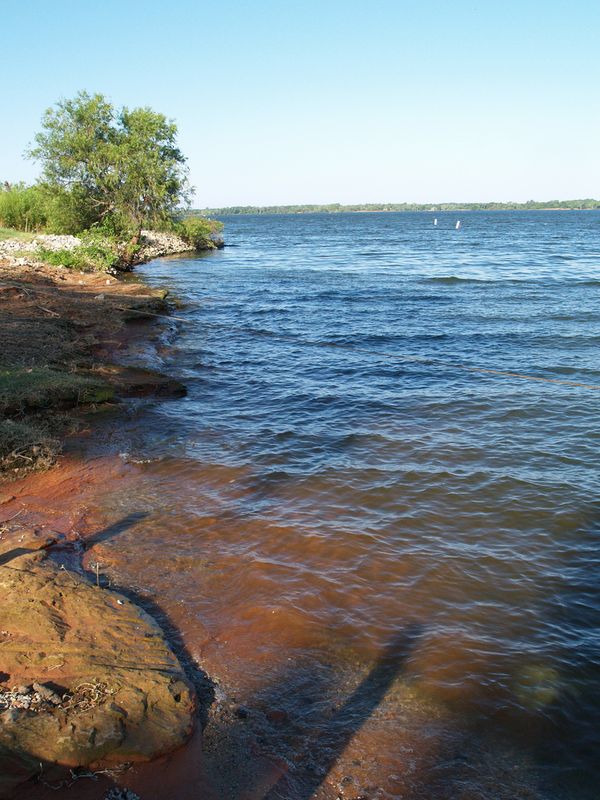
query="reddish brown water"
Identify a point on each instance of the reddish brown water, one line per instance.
(308, 704)
(388, 570)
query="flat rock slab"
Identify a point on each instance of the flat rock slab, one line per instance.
(124, 695)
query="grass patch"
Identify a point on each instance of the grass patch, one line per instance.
(11, 233)
(94, 255)
(40, 388)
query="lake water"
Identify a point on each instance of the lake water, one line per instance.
(390, 562)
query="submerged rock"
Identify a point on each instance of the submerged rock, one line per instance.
(139, 381)
(99, 684)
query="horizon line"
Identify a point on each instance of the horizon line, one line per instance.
(428, 206)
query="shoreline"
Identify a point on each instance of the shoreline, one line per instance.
(282, 211)
(63, 331)
(67, 333)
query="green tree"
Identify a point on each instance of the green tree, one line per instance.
(123, 165)
(152, 174)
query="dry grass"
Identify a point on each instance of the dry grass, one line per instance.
(26, 446)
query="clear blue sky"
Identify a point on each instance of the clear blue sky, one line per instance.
(331, 101)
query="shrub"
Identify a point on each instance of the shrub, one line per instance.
(41, 207)
(67, 211)
(200, 232)
(57, 258)
(95, 254)
(115, 226)
(23, 207)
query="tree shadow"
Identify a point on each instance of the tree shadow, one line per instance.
(199, 679)
(105, 535)
(338, 729)
(16, 552)
(297, 717)
(72, 553)
(50, 776)
(294, 729)
(116, 529)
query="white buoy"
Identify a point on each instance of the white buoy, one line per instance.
(457, 224)
(435, 221)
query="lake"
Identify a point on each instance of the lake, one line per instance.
(388, 561)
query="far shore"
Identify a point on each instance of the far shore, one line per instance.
(380, 208)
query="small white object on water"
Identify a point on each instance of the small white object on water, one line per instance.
(435, 221)
(458, 225)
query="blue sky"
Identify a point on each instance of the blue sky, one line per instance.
(331, 101)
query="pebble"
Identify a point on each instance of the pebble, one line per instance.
(47, 241)
(47, 694)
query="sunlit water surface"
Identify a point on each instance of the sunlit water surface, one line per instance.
(308, 508)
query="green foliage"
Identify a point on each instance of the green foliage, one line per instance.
(107, 172)
(22, 207)
(152, 168)
(95, 254)
(45, 208)
(200, 232)
(57, 258)
(114, 226)
(124, 164)
(67, 211)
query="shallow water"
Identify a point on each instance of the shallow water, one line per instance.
(391, 563)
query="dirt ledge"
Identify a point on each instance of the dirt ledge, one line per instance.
(62, 331)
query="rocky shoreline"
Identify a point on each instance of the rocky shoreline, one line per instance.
(153, 244)
(61, 330)
(87, 679)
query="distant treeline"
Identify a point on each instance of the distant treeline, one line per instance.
(336, 208)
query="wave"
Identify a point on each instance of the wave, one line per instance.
(457, 279)
(540, 278)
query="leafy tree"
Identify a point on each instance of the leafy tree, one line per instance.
(151, 167)
(124, 165)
